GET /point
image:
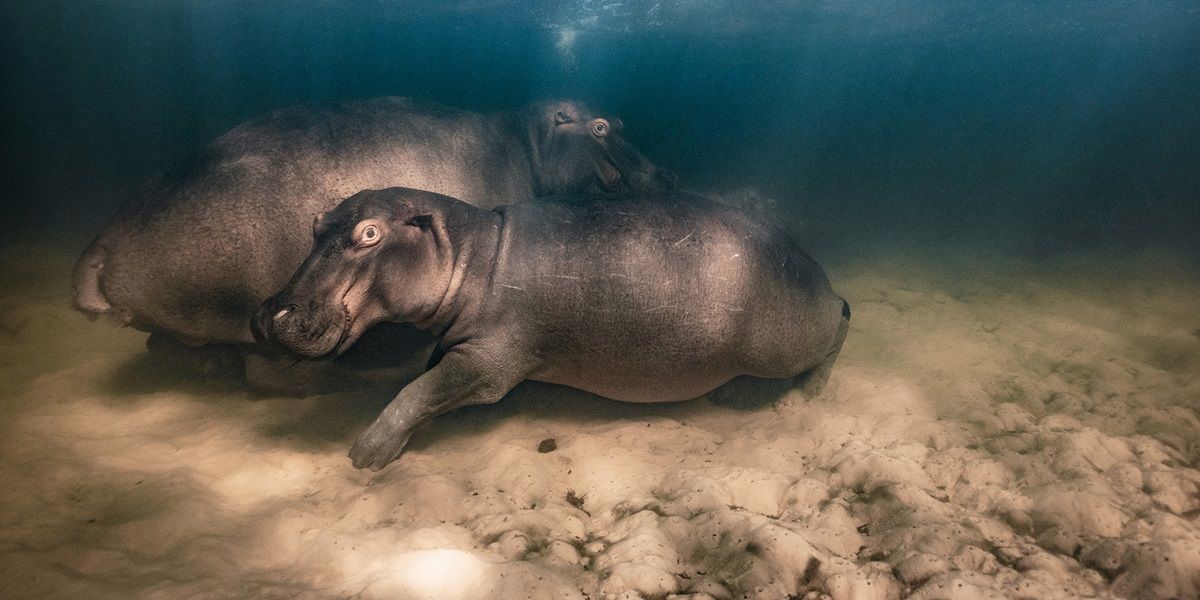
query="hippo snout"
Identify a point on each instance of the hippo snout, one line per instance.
(308, 331)
(639, 174)
(262, 323)
(281, 314)
(656, 180)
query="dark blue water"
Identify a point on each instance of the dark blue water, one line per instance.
(1006, 191)
(1072, 121)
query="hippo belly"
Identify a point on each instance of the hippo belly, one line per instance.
(628, 383)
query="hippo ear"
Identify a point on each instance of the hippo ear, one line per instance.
(319, 223)
(422, 221)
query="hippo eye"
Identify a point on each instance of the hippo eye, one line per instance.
(368, 234)
(599, 128)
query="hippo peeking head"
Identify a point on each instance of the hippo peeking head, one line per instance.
(574, 150)
(340, 291)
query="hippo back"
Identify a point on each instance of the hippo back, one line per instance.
(661, 261)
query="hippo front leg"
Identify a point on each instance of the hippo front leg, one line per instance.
(463, 377)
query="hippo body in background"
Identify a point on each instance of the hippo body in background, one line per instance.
(638, 298)
(201, 250)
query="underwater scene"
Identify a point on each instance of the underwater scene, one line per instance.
(613, 299)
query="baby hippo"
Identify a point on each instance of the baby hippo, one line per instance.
(651, 298)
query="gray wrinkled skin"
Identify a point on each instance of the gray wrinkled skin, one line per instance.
(201, 251)
(641, 298)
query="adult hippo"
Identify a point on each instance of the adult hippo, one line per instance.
(194, 256)
(636, 298)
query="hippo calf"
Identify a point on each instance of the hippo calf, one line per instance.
(637, 298)
(196, 254)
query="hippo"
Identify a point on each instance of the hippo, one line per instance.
(634, 297)
(196, 254)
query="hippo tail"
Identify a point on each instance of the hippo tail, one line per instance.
(88, 293)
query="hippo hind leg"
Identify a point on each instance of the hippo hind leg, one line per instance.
(812, 382)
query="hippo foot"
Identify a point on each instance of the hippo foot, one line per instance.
(378, 446)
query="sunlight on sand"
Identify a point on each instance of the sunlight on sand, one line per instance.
(992, 430)
(439, 574)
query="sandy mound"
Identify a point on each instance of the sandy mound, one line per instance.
(992, 430)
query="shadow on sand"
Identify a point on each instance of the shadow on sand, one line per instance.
(214, 375)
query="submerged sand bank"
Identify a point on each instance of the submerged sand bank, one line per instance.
(995, 428)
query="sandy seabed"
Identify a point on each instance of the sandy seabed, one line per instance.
(996, 427)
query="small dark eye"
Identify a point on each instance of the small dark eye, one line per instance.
(599, 128)
(368, 234)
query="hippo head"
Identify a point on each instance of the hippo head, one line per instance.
(374, 258)
(575, 151)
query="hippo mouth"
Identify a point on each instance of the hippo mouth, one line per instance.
(609, 174)
(622, 168)
(343, 342)
(347, 337)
